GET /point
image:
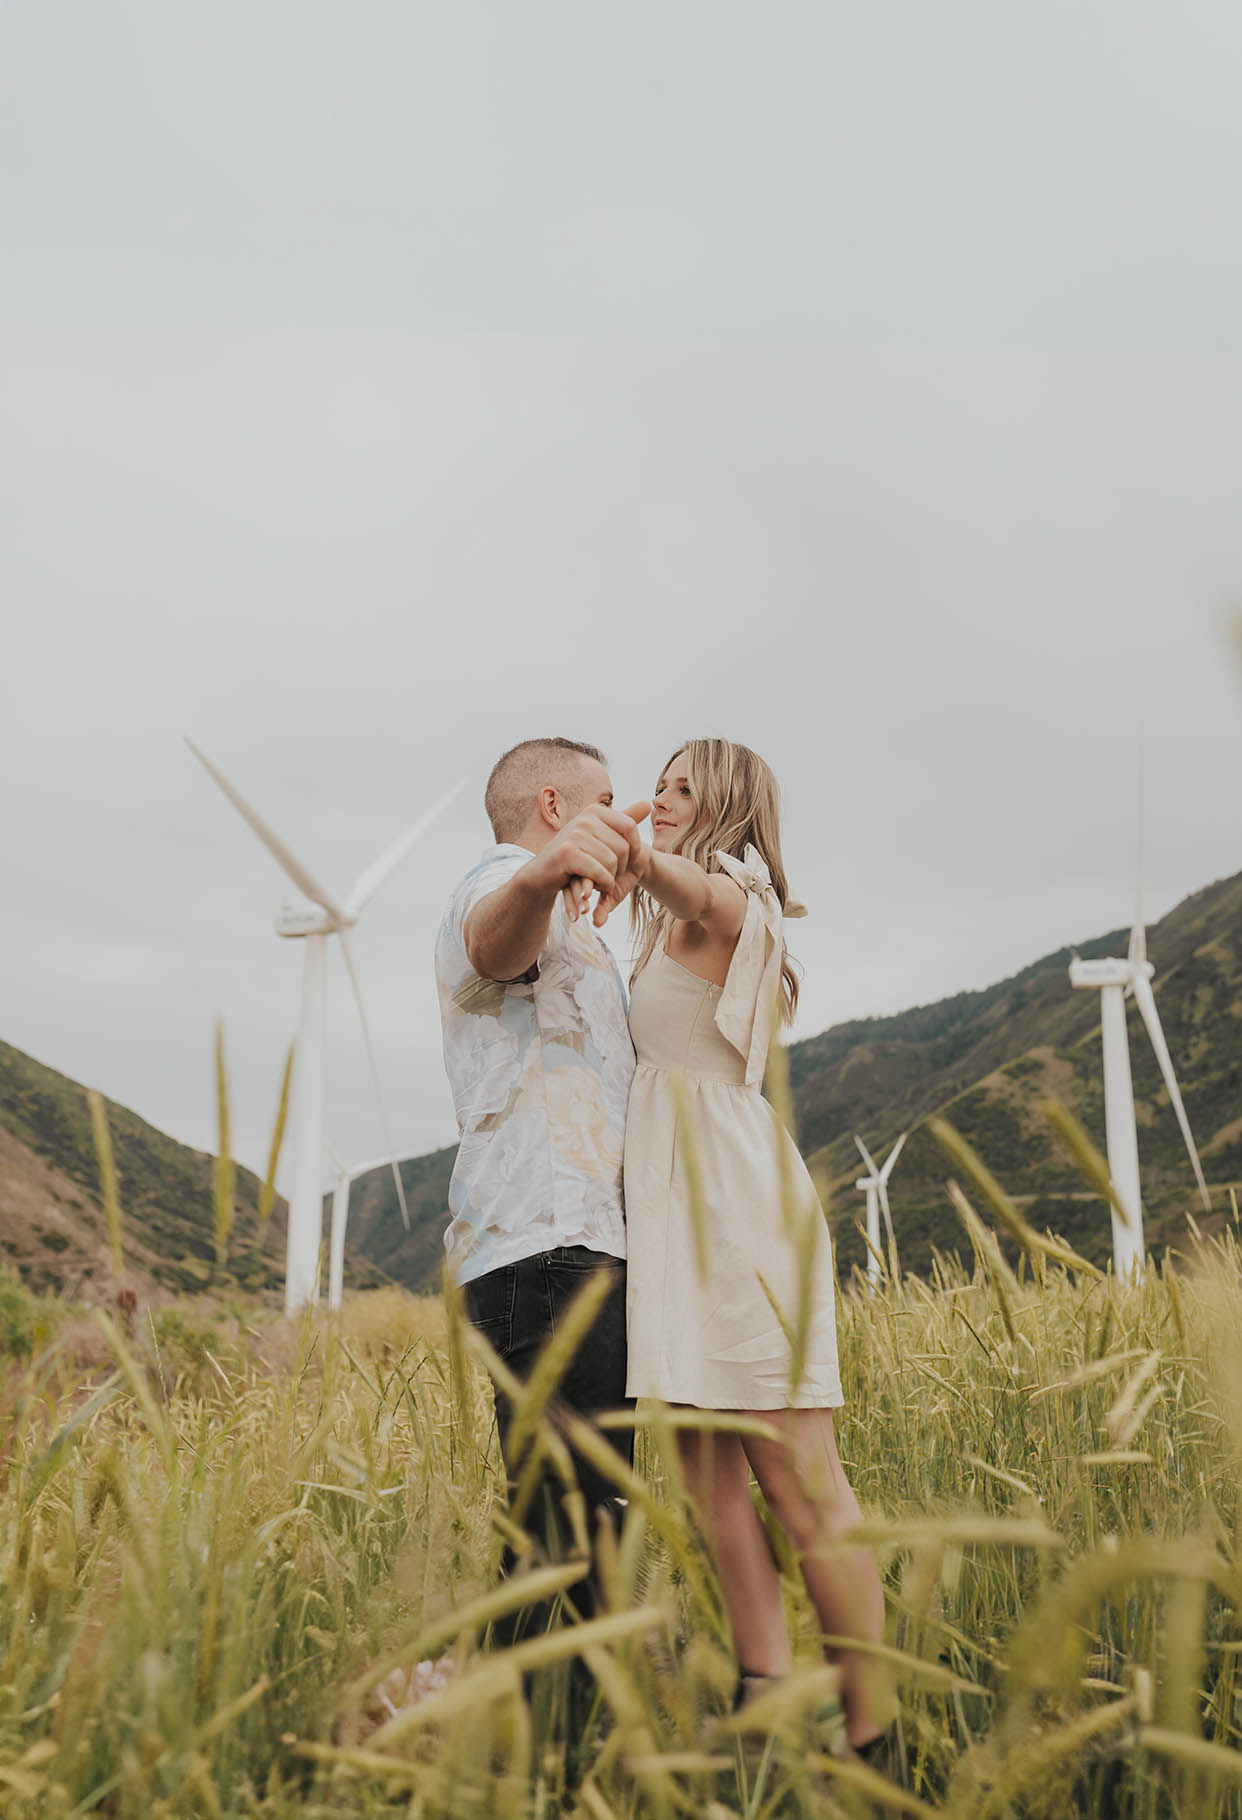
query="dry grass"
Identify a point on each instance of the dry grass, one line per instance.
(217, 1539)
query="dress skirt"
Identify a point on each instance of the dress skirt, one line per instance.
(712, 1316)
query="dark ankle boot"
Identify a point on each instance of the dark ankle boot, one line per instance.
(749, 1687)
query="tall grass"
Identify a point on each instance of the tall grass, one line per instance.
(224, 1173)
(216, 1540)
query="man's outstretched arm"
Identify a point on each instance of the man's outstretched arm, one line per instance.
(507, 931)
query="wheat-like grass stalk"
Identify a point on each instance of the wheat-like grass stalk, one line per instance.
(224, 1175)
(1092, 1164)
(1038, 1247)
(267, 1194)
(107, 1177)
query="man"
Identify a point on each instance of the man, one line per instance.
(539, 1058)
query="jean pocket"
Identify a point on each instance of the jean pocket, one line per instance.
(496, 1333)
(567, 1280)
(489, 1303)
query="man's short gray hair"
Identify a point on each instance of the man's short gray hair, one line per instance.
(520, 773)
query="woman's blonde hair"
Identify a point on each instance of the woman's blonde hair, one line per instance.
(739, 804)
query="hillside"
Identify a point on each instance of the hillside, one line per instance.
(51, 1222)
(986, 1060)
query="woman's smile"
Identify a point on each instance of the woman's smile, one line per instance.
(674, 811)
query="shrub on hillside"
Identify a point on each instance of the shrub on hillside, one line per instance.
(27, 1321)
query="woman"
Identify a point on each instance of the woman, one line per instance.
(711, 980)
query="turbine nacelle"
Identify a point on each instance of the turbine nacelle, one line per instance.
(1111, 971)
(295, 920)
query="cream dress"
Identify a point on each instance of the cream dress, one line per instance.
(710, 1337)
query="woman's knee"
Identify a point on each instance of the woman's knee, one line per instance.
(805, 1501)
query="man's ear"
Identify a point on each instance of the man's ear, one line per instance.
(552, 807)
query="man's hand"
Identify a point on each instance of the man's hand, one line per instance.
(506, 931)
(591, 849)
(629, 869)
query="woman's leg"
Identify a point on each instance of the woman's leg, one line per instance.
(802, 1478)
(717, 1478)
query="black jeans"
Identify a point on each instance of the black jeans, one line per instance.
(517, 1308)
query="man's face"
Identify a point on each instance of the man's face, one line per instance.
(591, 787)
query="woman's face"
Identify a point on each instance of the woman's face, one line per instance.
(674, 811)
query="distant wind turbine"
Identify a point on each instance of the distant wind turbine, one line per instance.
(1115, 980)
(342, 1184)
(310, 1071)
(875, 1186)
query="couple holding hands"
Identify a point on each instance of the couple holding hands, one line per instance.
(576, 1121)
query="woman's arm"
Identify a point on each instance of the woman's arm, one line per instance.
(709, 899)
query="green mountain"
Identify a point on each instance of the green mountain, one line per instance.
(987, 1061)
(52, 1229)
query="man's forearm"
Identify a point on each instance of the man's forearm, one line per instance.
(507, 931)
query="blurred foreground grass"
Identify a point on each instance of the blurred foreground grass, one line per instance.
(216, 1538)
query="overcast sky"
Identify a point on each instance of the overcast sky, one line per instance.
(386, 382)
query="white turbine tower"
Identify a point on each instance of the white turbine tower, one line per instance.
(1116, 979)
(342, 1184)
(314, 926)
(875, 1186)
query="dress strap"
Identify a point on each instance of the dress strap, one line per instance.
(746, 1009)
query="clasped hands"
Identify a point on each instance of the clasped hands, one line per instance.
(599, 853)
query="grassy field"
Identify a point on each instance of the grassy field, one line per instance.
(220, 1541)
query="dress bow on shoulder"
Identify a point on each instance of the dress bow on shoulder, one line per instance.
(751, 873)
(747, 1008)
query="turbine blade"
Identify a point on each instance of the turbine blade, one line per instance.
(1138, 934)
(867, 1157)
(888, 1217)
(336, 1244)
(289, 863)
(1146, 1001)
(893, 1154)
(377, 1162)
(388, 861)
(347, 950)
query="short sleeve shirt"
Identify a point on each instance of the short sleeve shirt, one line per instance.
(540, 1071)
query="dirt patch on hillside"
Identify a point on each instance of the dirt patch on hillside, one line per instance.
(51, 1232)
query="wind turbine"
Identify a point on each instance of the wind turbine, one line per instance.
(875, 1186)
(1115, 980)
(314, 926)
(342, 1184)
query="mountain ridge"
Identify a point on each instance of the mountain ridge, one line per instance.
(985, 1058)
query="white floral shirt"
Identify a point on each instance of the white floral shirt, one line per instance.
(540, 1071)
